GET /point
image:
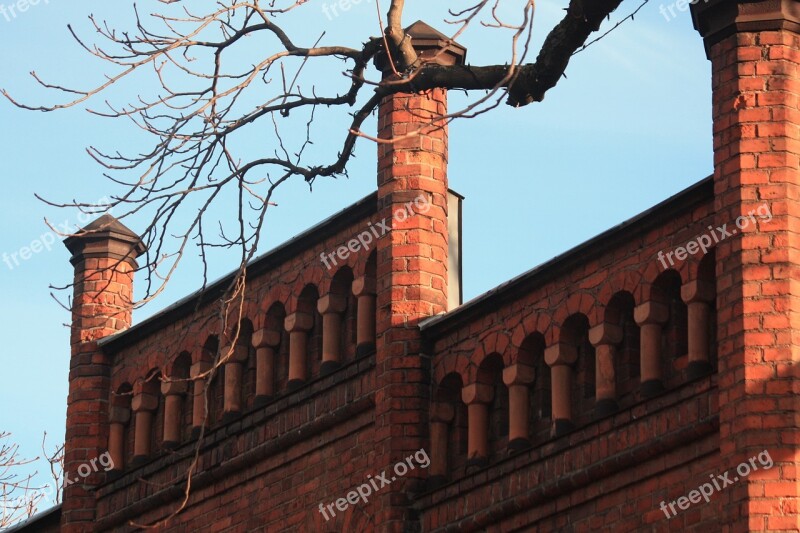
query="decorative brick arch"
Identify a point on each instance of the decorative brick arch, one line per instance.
(582, 303)
(188, 343)
(278, 293)
(298, 287)
(629, 281)
(357, 519)
(324, 282)
(175, 361)
(495, 342)
(198, 333)
(316, 522)
(250, 310)
(147, 380)
(652, 273)
(343, 273)
(652, 285)
(127, 377)
(684, 269)
(606, 308)
(451, 364)
(693, 273)
(536, 322)
(361, 266)
(200, 354)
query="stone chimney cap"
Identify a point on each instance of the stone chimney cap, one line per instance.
(426, 37)
(427, 42)
(105, 228)
(718, 19)
(109, 223)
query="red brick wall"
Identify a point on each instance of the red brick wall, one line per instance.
(325, 462)
(757, 159)
(269, 471)
(275, 465)
(609, 474)
(272, 467)
(102, 298)
(412, 277)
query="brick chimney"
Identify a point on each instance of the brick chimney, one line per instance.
(754, 48)
(412, 269)
(104, 256)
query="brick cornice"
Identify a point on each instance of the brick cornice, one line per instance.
(718, 19)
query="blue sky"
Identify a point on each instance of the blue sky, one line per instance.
(629, 127)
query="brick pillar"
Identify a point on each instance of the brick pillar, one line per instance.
(173, 393)
(364, 288)
(411, 268)
(200, 404)
(698, 296)
(331, 307)
(144, 406)
(234, 372)
(651, 317)
(441, 416)
(478, 398)
(754, 48)
(104, 258)
(298, 325)
(519, 378)
(561, 358)
(605, 338)
(267, 343)
(118, 417)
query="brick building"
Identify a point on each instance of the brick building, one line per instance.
(579, 396)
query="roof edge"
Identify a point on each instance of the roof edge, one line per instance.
(34, 519)
(695, 194)
(281, 253)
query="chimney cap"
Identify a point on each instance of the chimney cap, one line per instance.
(428, 42)
(717, 19)
(105, 229)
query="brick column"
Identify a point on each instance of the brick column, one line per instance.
(518, 378)
(442, 415)
(267, 343)
(365, 290)
(199, 405)
(699, 297)
(331, 307)
(477, 398)
(173, 393)
(651, 317)
(234, 370)
(561, 358)
(143, 407)
(104, 259)
(411, 266)
(118, 417)
(754, 48)
(605, 338)
(298, 325)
